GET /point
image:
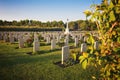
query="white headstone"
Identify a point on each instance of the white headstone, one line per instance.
(85, 39)
(36, 43)
(76, 42)
(96, 45)
(5, 37)
(83, 47)
(11, 38)
(48, 39)
(65, 54)
(21, 42)
(80, 36)
(53, 44)
(58, 39)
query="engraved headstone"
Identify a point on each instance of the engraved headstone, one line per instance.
(21, 41)
(76, 42)
(83, 47)
(11, 38)
(96, 45)
(36, 43)
(65, 54)
(53, 44)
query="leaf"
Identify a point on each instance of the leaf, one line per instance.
(90, 40)
(112, 16)
(111, 5)
(99, 62)
(108, 73)
(116, 49)
(114, 33)
(91, 50)
(90, 60)
(118, 9)
(94, 77)
(119, 78)
(81, 58)
(85, 55)
(74, 56)
(118, 39)
(106, 67)
(84, 64)
(87, 13)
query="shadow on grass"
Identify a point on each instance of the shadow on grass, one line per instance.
(14, 60)
(47, 51)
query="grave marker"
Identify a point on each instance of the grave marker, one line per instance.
(65, 54)
(96, 45)
(36, 43)
(83, 47)
(53, 44)
(76, 42)
(21, 42)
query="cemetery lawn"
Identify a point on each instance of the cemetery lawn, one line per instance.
(15, 64)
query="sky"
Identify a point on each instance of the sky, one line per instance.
(44, 10)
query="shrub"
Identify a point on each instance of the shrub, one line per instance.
(29, 43)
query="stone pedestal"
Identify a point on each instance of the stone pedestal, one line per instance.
(66, 40)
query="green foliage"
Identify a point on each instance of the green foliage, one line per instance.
(107, 18)
(31, 25)
(84, 60)
(90, 39)
(75, 55)
(29, 43)
(60, 44)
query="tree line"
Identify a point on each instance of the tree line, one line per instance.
(73, 25)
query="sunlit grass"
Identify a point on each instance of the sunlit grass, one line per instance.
(15, 64)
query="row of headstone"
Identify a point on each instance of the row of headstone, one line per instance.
(66, 53)
(10, 37)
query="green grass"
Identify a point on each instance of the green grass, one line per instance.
(15, 64)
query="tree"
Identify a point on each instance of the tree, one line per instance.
(54, 24)
(14, 23)
(1, 23)
(83, 25)
(60, 24)
(48, 24)
(107, 18)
